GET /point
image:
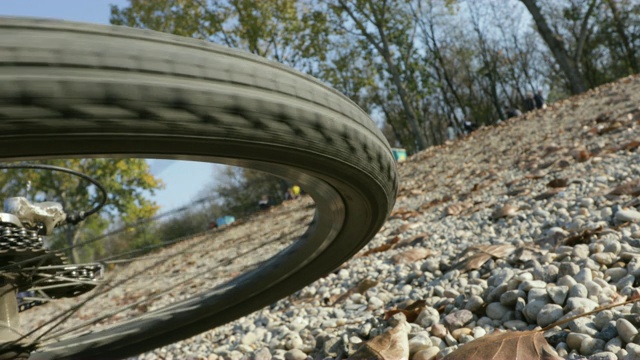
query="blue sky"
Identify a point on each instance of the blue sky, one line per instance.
(185, 181)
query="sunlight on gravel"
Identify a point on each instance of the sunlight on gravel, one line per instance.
(183, 270)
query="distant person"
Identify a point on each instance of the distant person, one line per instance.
(539, 100)
(469, 127)
(512, 112)
(451, 131)
(264, 203)
(295, 191)
(529, 103)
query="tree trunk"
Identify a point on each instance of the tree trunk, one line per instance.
(384, 50)
(577, 83)
(620, 29)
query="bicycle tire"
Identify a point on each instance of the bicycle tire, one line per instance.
(83, 90)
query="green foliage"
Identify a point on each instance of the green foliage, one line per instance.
(190, 221)
(128, 182)
(419, 66)
(239, 190)
(293, 32)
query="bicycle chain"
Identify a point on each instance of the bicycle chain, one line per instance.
(26, 262)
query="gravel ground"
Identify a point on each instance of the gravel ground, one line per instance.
(511, 228)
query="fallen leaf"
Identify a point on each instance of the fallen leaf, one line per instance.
(361, 288)
(504, 211)
(610, 128)
(604, 117)
(581, 155)
(411, 312)
(547, 194)
(391, 345)
(519, 191)
(510, 345)
(384, 247)
(475, 256)
(474, 262)
(558, 183)
(630, 146)
(582, 237)
(539, 174)
(628, 188)
(435, 202)
(527, 253)
(412, 255)
(405, 227)
(412, 241)
(456, 209)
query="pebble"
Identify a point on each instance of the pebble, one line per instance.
(603, 319)
(496, 310)
(427, 354)
(604, 355)
(295, 354)
(532, 309)
(583, 276)
(633, 350)
(428, 316)
(474, 303)
(623, 216)
(579, 290)
(458, 319)
(590, 346)
(549, 314)
(614, 345)
(420, 341)
(575, 303)
(558, 294)
(574, 340)
(439, 330)
(626, 330)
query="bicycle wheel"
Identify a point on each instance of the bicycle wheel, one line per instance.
(80, 90)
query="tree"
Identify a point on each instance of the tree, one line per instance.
(567, 65)
(387, 28)
(238, 190)
(620, 25)
(293, 32)
(128, 182)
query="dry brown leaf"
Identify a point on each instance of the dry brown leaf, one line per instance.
(362, 286)
(581, 155)
(539, 174)
(558, 183)
(412, 255)
(474, 262)
(628, 188)
(391, 345)
(405, 227)
(504, 211)
(610, 128)
(510, 345)
(527, 253)
(547, 194)
(480, 254)
(411, 312)
(456, 209)
(415, 240)
(435, 202)
(583, 237)
(630, 146)
(384, 247)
